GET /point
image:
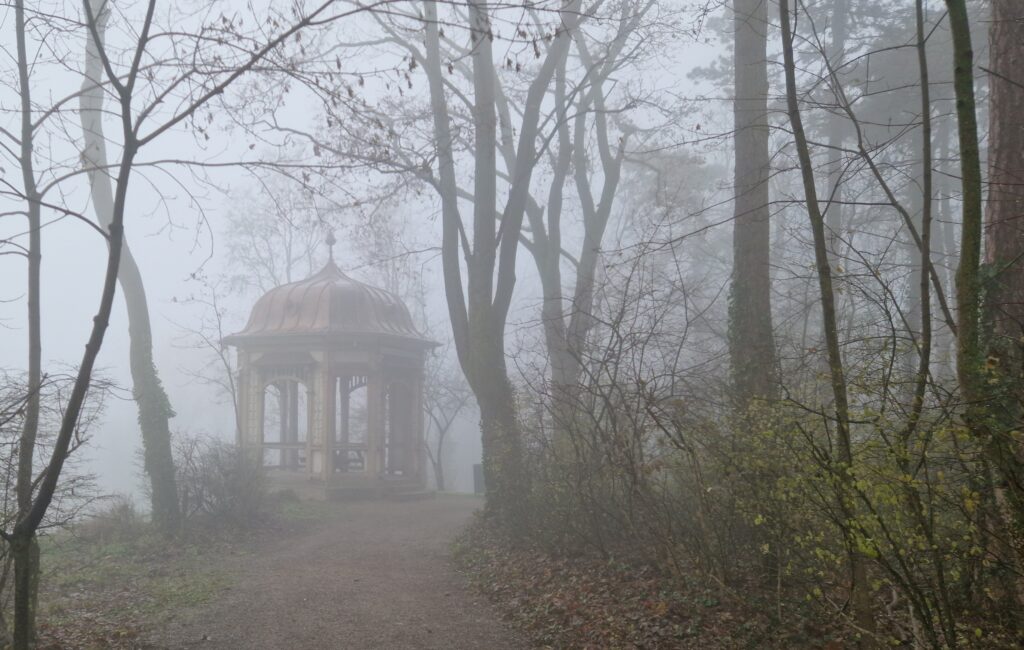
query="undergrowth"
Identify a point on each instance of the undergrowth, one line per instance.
(586, 601)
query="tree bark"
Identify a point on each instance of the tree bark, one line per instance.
(968, 280)
(751, 340)
(153, 404)
(439, 473)
(1004, 304)
(1004, 217)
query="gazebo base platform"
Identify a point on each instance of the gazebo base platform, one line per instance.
(352, 487)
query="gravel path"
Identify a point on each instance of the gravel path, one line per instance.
(366, 575)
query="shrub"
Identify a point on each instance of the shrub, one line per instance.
(219, 481)
(117, 520)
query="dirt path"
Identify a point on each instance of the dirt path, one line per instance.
(364, 575)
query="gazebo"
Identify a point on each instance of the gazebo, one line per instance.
(330, 381)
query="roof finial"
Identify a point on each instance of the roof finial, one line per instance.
(330, 241)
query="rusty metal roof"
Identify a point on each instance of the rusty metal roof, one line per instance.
(329, 304)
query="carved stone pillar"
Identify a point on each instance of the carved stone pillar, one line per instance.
(401, 429)
(374, 421)
(419, 451)
(291, 456)
(344, 394)
(250, 403)
(243, 421)
(322, 464)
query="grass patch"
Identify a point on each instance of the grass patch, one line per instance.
(304, 510)
(98, 592)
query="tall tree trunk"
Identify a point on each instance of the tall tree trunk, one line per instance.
(477, 326)
(946, 342)
(26, 550)
(1004, 218)
(148, 391)
(751, 340)
(479, 312)
(439, 471)
(836, 123)
(915, 202)
(968, 280)
(1004, 221)
(501, 437)
(860, 597)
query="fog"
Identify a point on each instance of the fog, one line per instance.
(709, 310)
(178, 230)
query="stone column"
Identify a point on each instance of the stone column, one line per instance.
(243, 421)
(344, 393)
(325, 421)
(401, 428)
(419, 451)
(282, 420)
(292, 429)
(257, 394)
(374, 421)
(250, 407)
(390, 448)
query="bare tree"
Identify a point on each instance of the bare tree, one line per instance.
(564, 112)
(860, 597)
(752, 342)
(122, 76)
(479, 310)
(35, 495)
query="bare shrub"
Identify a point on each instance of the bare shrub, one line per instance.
(219, 481)
(118, 520)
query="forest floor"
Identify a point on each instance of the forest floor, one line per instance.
(317, 575)
(590, 602)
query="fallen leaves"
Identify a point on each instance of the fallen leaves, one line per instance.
(590, 602)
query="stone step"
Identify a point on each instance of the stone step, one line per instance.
(396, 489)
(417, 495)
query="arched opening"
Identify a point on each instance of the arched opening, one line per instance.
(352, 424)
(286, 423)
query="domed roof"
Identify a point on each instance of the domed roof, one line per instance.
(328, 304)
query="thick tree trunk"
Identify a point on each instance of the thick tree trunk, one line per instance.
(477, 325)
(148, 391)
(501, 436)
(1004, 218)
(478, 313)
(751, 340)
(1004, 306)
(502, 442)
(1004, 214)
(439, 472)
(968, 280)
(149, 394)
(25, 551)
